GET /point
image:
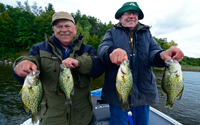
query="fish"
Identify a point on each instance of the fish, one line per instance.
(172, 82)
(32, 95)
(66, 83)
(124, 84)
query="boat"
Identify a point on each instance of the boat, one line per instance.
(101, 114)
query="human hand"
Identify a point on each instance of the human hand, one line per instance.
(70, 62)
(117, 56)
(24, 68)
(173, 52)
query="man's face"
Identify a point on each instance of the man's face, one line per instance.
(65, 31)
(129, 19)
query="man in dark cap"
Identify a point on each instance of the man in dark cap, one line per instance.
(131, 40)
(64, 47)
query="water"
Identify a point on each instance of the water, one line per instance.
(186, 110)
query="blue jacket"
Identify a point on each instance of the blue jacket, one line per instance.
(142, 57)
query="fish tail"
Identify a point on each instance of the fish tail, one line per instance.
(125, 106)
(169, 105)
(36, 117)
(68, 101)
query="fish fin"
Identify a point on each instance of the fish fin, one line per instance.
(25, 108)
(22, 90)
(36, 117)
(119, 96)
(124, 80)
(72, 92)
(125, 106)
(30, 90)
(162, 90)
(178, 97)
(131, 91)
(43, 101)
(59, 92)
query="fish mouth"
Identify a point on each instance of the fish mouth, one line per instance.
(123, 72)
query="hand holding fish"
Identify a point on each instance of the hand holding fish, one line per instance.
(24, 68)
(118, 55)
(173, 52)
(70, 63)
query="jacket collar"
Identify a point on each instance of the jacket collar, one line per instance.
(139, 26)
(56, 46)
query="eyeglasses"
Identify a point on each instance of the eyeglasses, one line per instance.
(129, 13)
(60, 27)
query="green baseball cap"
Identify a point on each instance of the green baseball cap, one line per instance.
(128, 7)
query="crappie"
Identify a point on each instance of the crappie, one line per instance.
(124, 83)
(172, 82)
(32, 94)
(66, 83)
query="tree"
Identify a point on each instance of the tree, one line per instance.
(84, 31)
(42, 25)
(27, 7)
(49, 8)
(25, 37)
(36, 10)
(2, 7)
(7, 42)
(94, 41)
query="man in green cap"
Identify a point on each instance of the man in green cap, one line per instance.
(131, 40)
(64, 47)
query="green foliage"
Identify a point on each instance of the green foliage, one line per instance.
(84, 31)
(2, 7)
(186, 60)
(24, 25)
(97, 28)
(25, 37)
(37, 11)
(94, 41)
(42, 25)
(190, 61)
(6, 30)
(49, 8)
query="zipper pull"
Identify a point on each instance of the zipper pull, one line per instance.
(132, 44)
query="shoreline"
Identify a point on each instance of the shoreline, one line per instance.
(184, 68)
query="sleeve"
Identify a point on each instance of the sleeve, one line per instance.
(31, 56)
(106, 47)
(89, 63)
(155, 51)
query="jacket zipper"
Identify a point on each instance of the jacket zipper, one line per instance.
(131, 38)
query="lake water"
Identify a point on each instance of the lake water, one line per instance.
(186, 110)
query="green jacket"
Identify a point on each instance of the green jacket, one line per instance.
(48, 57)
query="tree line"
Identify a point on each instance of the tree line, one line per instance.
(24, 25)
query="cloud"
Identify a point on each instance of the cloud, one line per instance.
(176, 20)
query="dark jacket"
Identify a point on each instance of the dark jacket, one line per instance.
(48, 57)
(142, 53)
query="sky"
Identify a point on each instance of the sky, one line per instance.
(177, 20)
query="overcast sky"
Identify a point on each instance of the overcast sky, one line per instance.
(177, 20)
